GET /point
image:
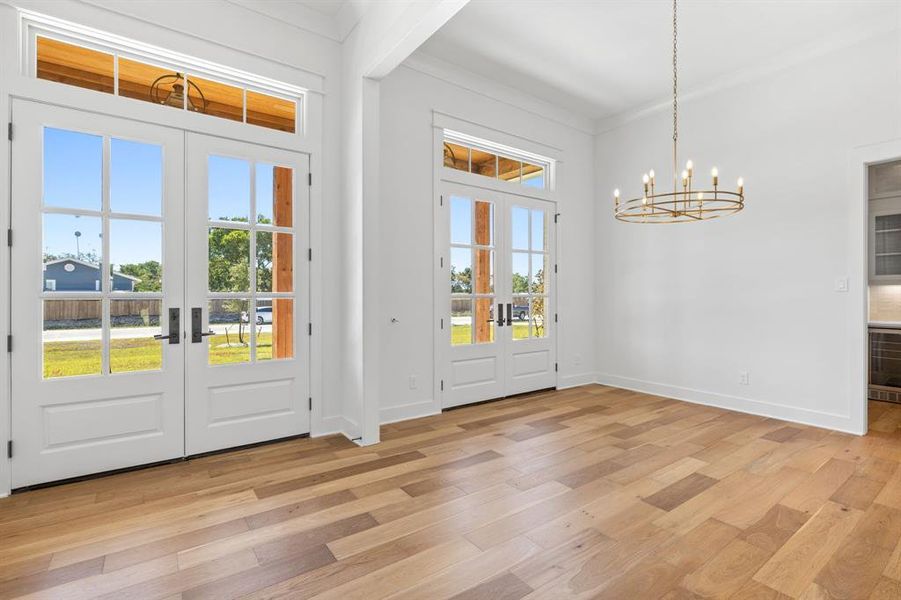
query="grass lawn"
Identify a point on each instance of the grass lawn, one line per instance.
(65, 359)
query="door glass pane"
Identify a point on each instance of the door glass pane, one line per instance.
(133, 323)
(73, 169)
(520, 272)
(275, 262)
(519, 225)
(229, 319)
(275, 329)
(537, 316)
(461, 321)
(136, 255)
(461, 270)
(229, 189)
(538, 229)
(72, 341)
(484, 320)
(521, 310)
(484, 234)
(229, 257)
(461, 220)
(72, 247)
(539, 270)
(136, 177)
(274, 195)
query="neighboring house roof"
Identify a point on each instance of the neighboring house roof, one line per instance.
(89, 264)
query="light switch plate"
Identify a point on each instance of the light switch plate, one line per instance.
(841, 284)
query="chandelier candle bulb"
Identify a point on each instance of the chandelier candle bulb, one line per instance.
(679, 205)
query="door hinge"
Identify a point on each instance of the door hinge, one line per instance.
(9, 449)
(9, 238)
(309, 329)
(9, 131)
(441, 200)
(556, 367)
(310, 179)
(441, 262)
(310, 403)
(442, 385)
(555, 267)
(556, 216)
(555, 317)
(442, 322)
(310, 254)
(9, 343)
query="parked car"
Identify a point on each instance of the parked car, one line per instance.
(264, 316)
(521, 312)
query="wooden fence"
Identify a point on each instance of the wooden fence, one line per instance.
(76, 310)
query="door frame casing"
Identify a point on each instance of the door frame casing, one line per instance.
(441, 174)
(14, 85)
(859, 161)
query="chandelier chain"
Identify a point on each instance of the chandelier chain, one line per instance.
(675, 100)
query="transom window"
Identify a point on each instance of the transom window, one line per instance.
(176, 83)
(481, 157)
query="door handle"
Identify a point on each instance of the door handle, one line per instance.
(197, 334)
(500, 314)
(509, 314)
(174, 336)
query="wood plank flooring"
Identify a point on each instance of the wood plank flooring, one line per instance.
(592, 492)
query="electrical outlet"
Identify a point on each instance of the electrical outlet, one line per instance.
(744, 378)
(412, 382)
(841, 284)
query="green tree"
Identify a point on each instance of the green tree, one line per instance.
(461, 281)
(150, 273)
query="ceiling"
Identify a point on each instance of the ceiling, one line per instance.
(606, 57)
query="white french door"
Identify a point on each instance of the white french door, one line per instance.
(248, 346)
(92, 390)
(118, 275)
(497, 335)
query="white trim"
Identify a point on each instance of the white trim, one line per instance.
(565, 382)
(499, 138)
(88, 264)
(405, 412)
(783, 412)
(487, 88)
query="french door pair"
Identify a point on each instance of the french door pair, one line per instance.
(497, 301)
(159, 300)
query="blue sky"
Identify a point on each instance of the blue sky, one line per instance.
(73, 172)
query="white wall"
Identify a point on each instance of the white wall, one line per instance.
(682, 309)
(406, 257)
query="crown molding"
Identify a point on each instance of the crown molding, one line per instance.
(450, 73)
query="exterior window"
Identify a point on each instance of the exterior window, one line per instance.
(112, 73)
(50, 285)
(480, 159)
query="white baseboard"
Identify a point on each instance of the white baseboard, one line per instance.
(783, 412)
(404, 412)
(571, 381)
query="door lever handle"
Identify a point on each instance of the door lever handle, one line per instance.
(174, 327)
(207, 333)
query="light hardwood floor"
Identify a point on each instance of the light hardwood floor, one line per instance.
(592, 492)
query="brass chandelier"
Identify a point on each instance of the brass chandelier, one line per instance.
(684, 203)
